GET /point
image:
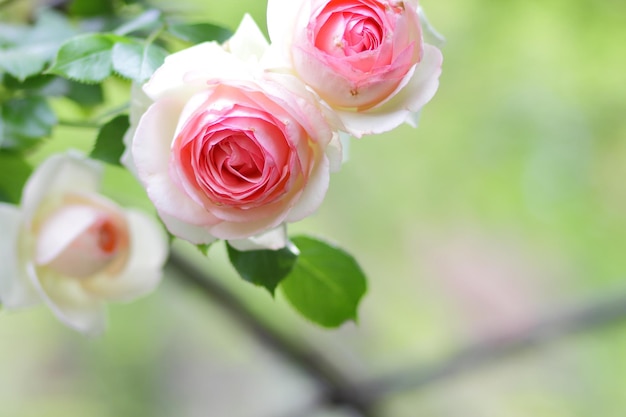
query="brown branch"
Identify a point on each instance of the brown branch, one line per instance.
(336, 388)
(339, 390)
(599, 314)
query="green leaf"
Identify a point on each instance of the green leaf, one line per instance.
(147, 20)
(110, 141)
(24, 121)
(263, 267)
(27, 54)
(326, 283)
(85, 58)
(136, 60)
(35, 83)
(87, 95)
(11, 185)
(25, 60)
(199, 32)
(91, 8)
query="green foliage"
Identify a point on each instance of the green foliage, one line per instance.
(28, 85)
(25, 51)
(11, 185)
(326, 283)
(85, 58)
(137, 60)
(23, 121)
(150, 19)
(199, 32)
(87, 95)
(266, 268)
(93, 57)
(109, 145)
(91, 8)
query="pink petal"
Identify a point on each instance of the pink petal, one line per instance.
(152, 153)
(143, 271)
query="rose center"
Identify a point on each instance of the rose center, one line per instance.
(238, 159)
(362, 35)
(107, 237)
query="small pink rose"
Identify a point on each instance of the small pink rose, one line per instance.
(365, 58)
(73, 249)
(226, 150)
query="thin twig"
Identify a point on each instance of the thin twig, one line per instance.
(364, 398)
(337, 389)
(596, 315)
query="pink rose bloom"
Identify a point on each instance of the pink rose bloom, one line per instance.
(73, 249)
(227, 150)
(365, 58)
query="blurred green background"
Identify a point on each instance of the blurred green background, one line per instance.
(505, 205)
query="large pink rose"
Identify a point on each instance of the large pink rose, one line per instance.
(226, 150)
(365, 58)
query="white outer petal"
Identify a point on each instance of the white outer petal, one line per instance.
(139, 103)
(338, 150)
(186, 72)
(272, 239)
(247, 43)
(68, 301)
(15, 288)
(282, 16)
(143, 272)
(151, 152)
(69, 172)
(313, 194)
(171, 75)
(197, 235)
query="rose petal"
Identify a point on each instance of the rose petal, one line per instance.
(187, 72)
(151, 153)
(237, 231)
(417, 92)
(197, 235)
(282, 17)
(139, 104)
(272, 239)
(422, 86)
(60, 229)
(68, 301)
(248, 42)
(59, 174)
(313, 193)
(15, 288)
(171, 75)
(148, 252)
